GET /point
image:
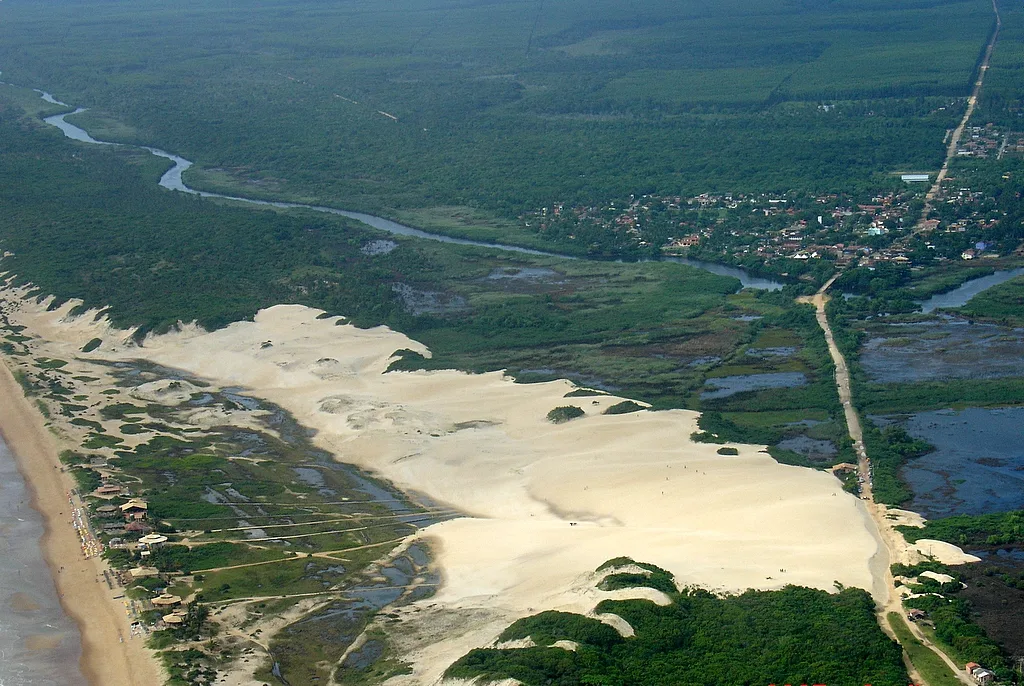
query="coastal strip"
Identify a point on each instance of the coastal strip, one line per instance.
(109, 656)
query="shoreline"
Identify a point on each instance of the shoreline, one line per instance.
(105, 660)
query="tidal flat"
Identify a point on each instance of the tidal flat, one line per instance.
(940, 349)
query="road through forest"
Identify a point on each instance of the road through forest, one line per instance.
(954, 142)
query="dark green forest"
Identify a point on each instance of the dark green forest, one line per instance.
(89, 222)
(1002, 528)
(791, 636)
(505, 107)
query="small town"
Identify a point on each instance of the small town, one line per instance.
(788, 228)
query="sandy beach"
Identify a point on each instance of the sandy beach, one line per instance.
(545, 504)
(106, 660)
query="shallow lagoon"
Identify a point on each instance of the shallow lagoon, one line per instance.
(959, 297)
(978, 464)
(724, 386)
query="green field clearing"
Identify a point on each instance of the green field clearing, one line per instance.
(930, 665)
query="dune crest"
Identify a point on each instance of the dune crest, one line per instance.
(545, 503)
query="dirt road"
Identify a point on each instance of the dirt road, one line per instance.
(954, 141)
(891, 538)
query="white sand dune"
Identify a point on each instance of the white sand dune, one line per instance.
(546, 503)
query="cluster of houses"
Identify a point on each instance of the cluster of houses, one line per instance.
(130, 517)
(979, 673)
(646, 219)
(799, 240)
(984, 141)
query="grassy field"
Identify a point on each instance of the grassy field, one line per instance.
(930, 665)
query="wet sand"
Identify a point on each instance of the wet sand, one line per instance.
(39, 644)
(105, 660)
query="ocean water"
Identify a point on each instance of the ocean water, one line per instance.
(39, 644)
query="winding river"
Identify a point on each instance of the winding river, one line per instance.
(172, 180)
(958, 297)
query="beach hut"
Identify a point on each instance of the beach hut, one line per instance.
(136, 526)
(166, 600)
(175, 618)
(144, 572)
(106, 511)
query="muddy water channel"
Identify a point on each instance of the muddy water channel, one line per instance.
(978, 463)
(958, 297)
(943, 348)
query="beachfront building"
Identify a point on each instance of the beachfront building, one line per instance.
(134, 509)
(152, 540)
